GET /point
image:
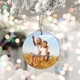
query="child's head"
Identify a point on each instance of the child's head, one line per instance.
(44, 44)
(38, 41)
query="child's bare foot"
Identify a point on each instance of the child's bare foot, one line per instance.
(31, 64)
(42, 59)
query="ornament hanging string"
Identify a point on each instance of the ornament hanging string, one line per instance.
(40, 23)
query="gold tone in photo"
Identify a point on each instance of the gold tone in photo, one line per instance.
(37, 63)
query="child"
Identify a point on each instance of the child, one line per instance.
(44, 51)
(38, 45)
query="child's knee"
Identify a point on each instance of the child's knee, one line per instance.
(42, 58)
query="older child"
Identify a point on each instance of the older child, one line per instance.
(38, 45)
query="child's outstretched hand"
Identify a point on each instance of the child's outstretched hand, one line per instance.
(33, 36)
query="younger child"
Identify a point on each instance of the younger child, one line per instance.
(44, 51)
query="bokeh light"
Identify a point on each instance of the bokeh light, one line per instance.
(65, 16)
(48, 13)
(55, 15)
(77, 51)
(7, 36)
(8, 68)
(65, 68)
(4, 64)
(24, 16)
(58, 70)
(63, 72)
(18, 60)
(59, 35)
(27, 74)
(69, 44)
(70, 10)
(70, 68)
(79, 44)
(73, 18)
(49, 18)
(9, 79)
(11, 23)
(52, 25)
(16, 20)
(70, 49)
(22, 27)
(76, 2)
(9, 48)
(12, 40)
(78, 34)
(79, 71)
(69, 15)
(64, 46)
(3, 58)
(78, 58)
(55, 21)
(12, 30)
(11, 18)
(55, 28)
(17, 40)
(37, 17)
(66, 65)
(61, 77)
(63, 27)
(4, 7)
(23, 76)
(7, 14)
(33, 77)
(73, 22)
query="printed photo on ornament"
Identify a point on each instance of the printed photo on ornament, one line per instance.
(41, 51)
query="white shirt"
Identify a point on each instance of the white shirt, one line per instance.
(37, 49)
(43, 51)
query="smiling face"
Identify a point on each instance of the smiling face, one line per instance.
(44, 44)
(38, 41)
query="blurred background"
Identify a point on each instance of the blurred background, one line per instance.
(64, 24)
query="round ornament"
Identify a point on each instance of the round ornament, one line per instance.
(41, 51)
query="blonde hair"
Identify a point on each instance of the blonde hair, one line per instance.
(40, 42)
